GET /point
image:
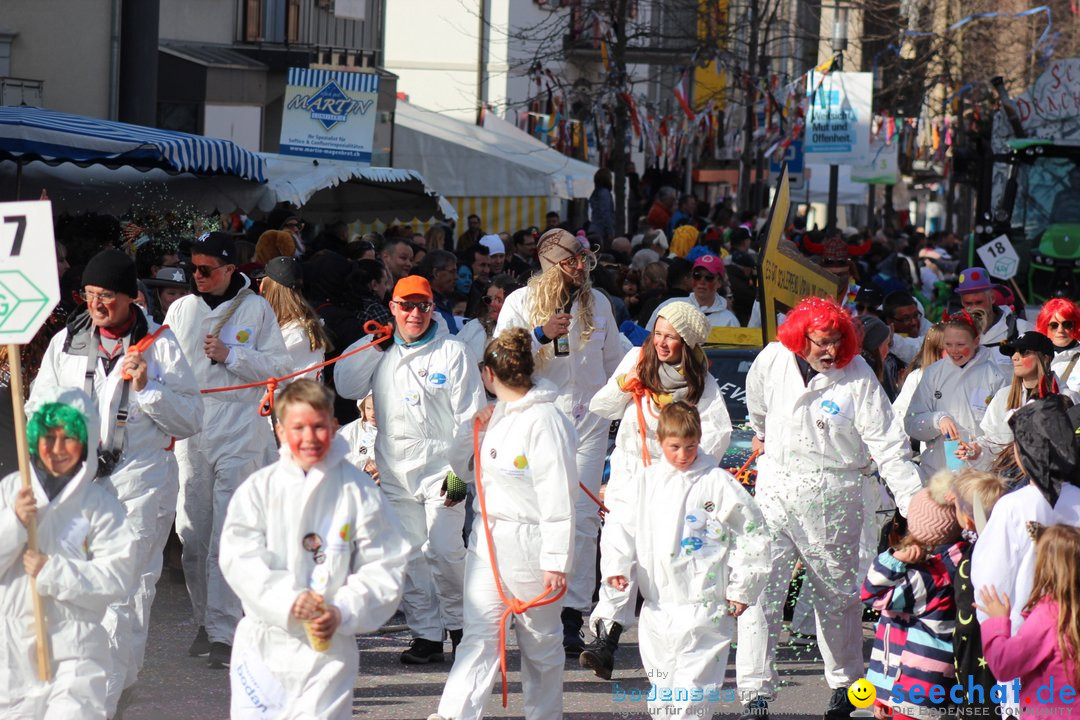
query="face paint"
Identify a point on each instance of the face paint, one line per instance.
(307, 432)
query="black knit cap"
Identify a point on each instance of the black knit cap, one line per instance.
(215, 244)
(112, 270)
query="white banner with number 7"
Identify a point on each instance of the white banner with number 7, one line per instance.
(1000, 258)
(29, 285)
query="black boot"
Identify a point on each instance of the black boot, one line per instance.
(455, 640)
(600, 656)
(573, 642)
(840, 706)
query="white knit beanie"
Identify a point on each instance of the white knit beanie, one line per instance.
(691, 324)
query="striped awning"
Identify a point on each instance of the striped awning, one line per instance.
(28, 134)
(497, 214)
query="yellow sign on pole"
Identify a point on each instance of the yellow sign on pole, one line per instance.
(787, 276)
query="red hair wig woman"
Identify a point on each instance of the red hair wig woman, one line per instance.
(815, 314)
(1066, 317)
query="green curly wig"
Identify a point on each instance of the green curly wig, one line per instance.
(51, 415)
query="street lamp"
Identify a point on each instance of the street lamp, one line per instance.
(839, 45)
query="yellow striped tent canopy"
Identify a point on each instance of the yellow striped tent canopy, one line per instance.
(497, 214)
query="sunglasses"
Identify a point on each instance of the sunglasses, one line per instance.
(707, 277)
(487, 299)
(207, 270)
(408, 305)
(1064, 325)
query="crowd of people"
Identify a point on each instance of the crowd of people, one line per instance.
(915, 439)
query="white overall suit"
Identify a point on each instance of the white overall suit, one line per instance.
(275, 673)
(695, 539)
(530, 482)
(577, 377)
(146, 478)
(962, 393)
(235, 441)
(612, 403)
(426, 396)
(819, 438)
(91, 563)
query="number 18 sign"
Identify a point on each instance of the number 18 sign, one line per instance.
(29, 286)
(1000, 258)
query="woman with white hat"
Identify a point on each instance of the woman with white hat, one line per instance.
(670, 366)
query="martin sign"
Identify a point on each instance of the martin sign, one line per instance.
(330, 114)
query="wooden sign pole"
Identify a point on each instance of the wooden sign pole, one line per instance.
(44, 664)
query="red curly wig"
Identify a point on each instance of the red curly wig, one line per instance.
(815, 314)
(1067, 309)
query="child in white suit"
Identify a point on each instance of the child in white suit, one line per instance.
(316, 556)
(698, 542)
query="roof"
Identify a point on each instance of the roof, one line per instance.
(219, 56)
(466, 160)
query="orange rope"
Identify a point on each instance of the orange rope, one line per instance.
(143, 344)
(266, 405)
(743, 473)
(513, 605)
(639, 391)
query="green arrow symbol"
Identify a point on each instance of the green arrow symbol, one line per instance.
(22, 303)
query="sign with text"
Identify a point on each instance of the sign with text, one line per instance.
(1000, 258)
(330, 114)
(787, 276)
(29, 284)
(838, 117)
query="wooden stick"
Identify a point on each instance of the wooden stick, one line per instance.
(44, 663)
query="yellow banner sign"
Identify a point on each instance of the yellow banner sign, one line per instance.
(787, 276)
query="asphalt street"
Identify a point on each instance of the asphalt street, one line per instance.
(173, 686)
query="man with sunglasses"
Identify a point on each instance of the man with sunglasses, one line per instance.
(145, 398)
(558, 302)
(230, 336)
(427, 392)
(707, 278)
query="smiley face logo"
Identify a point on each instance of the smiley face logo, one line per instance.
(861, 693)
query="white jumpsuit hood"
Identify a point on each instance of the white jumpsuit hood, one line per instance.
(266, 557)
(1060, 364)
(83, 532)
(962, 393)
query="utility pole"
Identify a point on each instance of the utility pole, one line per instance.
(747, 159)
(839, 44)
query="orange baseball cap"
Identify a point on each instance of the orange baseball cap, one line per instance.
(412, 285)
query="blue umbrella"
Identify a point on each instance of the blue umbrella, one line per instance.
(28, 134)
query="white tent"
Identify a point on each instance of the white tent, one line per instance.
(326, 190)
(507, 177)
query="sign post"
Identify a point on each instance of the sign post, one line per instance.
(787, 276)
(29, 289)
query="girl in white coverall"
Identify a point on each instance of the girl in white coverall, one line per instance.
(84, 562)
(308, 541)
(670, 366)
(701, 551)
(954, 392)
(530, 482)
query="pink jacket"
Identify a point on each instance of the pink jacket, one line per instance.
(1033, 655)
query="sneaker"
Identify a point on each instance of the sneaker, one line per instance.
(756, 709)
(455, 640)
(422, 652)
(840, 708)
(220, 655)
(200, 646)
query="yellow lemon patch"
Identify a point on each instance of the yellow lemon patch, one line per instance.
(346, 532)
(243, 336)
(861, 693)
(521, 462)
